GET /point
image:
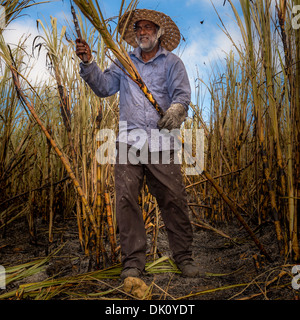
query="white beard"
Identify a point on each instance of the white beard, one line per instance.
(147, 46)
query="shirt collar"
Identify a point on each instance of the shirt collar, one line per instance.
(137, 52)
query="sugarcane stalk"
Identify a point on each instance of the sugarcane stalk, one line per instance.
(259, 123)
(155, 231)
(98, 213)
(77, 28)
(51, 192)
(291, 87)
(296, 130)
(53, 47)
(267, 58)
(64, 160)
(99, 206)
(66, 116)
(110, 226)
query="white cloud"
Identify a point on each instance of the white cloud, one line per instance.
(207, 45)
(35, 68)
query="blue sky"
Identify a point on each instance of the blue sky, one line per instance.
(204, 45)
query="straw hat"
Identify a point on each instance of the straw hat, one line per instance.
(170, 33)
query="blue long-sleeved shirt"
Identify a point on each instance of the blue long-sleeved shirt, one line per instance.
(164, 75)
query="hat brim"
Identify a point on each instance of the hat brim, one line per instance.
(171, 34)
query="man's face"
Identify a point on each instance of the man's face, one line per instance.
(146, 35)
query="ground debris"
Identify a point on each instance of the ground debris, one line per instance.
(235, 272)
(135, 286)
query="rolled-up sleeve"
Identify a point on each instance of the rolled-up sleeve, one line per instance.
(104, 83)
(178, 82)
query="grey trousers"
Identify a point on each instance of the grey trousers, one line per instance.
(165, 183)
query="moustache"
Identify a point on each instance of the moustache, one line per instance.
(144, 38)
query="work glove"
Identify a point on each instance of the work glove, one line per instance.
(173, 117)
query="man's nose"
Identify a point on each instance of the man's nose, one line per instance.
(143, 31)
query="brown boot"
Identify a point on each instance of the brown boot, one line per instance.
(130, 272)
(189, 268)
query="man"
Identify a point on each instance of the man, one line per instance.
(153, 35)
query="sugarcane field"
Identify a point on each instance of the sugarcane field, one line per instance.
(137, 165)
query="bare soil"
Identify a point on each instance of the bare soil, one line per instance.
(230, 269)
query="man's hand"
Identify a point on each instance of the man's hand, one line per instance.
(83, 48)
(173, 117)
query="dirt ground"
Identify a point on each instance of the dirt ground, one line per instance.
(230, 270)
